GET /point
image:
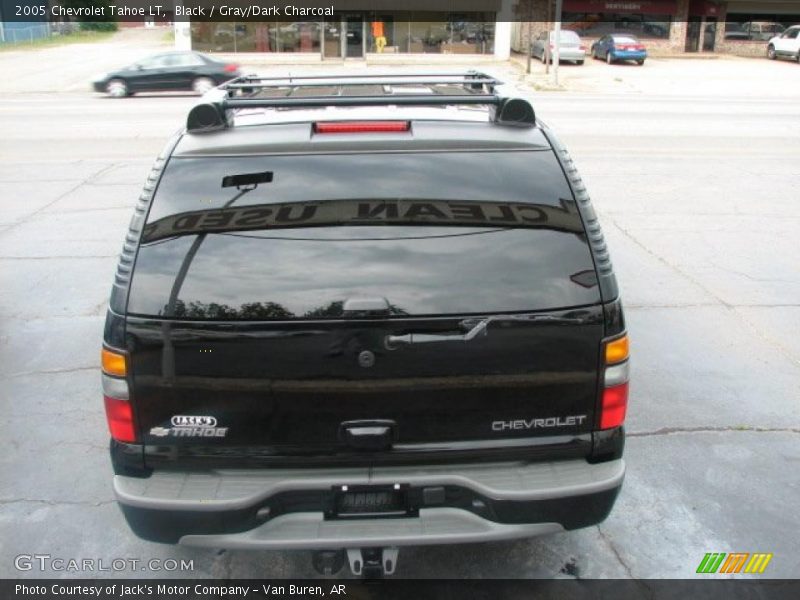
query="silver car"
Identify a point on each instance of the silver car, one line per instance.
(570, 48)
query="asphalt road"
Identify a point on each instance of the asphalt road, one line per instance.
(698, 198)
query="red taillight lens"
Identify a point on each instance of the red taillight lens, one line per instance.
(119, 415)
(363, 127)
(583, 48)
(615, 404)
(231, 68)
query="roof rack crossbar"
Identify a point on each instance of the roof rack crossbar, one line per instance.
(469, 73)
(216, 110)
(319, 101)
(472, 80)
(370, 76)
(322, 82)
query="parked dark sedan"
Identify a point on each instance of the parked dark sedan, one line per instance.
(619, 46)
(167, 72)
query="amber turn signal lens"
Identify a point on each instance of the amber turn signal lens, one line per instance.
(617, 350)
(113, 363)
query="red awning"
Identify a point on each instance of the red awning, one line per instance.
(703, 8)
(647, 7)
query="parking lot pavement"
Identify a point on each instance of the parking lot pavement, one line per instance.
(729, 77)
(697, 198)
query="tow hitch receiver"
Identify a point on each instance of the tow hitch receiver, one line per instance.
(372, 563)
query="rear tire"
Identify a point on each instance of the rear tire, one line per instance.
(203, 84)
(117, 88)
(640, 62)
(579, 62)
(771, 52)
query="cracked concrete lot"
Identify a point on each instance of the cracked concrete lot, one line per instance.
(698, 198)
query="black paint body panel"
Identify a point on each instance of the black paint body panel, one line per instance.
(283, 389)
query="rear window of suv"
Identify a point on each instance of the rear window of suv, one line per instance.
(293, 237)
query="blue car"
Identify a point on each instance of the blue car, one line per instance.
(619, 46)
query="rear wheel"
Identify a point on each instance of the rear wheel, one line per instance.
(771, 52)
(609, 60)
(640, 62)
(117, 88)
(202, 84)
(579, 62)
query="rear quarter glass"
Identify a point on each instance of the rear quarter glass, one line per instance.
(455, 254)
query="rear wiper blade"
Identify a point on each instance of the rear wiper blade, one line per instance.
(476, 327)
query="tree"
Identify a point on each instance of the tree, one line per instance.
(106, 22)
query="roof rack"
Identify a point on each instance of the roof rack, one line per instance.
(215, 110)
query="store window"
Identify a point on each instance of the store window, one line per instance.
(301, 36)
(599, 24)
(431, 33)
(386, 32)
(757, 27)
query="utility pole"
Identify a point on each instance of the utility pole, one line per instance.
(547, 55)
(530, 37)
(557, 45)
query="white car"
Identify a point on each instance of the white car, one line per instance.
(571, 47)
(785, 45)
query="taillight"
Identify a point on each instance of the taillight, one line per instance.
(362, 127)
(116, 396)
(614, 402)
(120, 419)
(583, 48)
(113, 363)
(617, 350)
(231, 68)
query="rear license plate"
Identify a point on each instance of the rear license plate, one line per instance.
(351, 502)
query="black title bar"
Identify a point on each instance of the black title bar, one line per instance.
(389, 589)
(252, 11)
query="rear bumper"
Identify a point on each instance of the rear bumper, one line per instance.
(572, 55)
(282, 509)
(629, 55)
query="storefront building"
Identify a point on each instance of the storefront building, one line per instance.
(666, 26)
(489, 29)
(368, 33)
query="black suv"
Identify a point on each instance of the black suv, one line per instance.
(361, 313)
